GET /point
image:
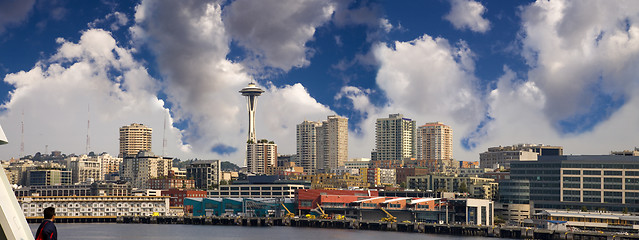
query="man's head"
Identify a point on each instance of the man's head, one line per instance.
(49, 213)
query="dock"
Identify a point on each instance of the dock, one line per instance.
(412, 227)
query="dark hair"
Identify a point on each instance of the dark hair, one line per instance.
(49, 212)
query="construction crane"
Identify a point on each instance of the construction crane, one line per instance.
(323, 215)
(389, 217)
(289, 214)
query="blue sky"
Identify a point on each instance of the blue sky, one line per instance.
(499, 72)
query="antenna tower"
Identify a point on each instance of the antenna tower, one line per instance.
(22, 135)
(164, 137)
(88, 127)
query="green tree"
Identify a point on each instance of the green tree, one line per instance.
(584, 209)
(463, 188)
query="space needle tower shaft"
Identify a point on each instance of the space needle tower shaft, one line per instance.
(251, 92)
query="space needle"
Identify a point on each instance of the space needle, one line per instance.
(251, 92)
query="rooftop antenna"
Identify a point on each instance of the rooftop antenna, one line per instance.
(88, 127)
(164, 137)
(22, 135)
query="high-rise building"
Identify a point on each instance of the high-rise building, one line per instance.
(138, 169)
(260, 156)
(394, 138)
(503, 156)
(332, 143)
(206, 173)
(307, 145)
(434, 141)
(134, 138)
(434, 144)
(322, 145)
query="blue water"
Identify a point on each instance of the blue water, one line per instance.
(164, 231)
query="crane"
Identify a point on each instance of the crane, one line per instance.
(389, 217)
(323, 215)
(289, 214)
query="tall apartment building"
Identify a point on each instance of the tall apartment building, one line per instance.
(434, 142)
(260, 156)
(322, 145)
(307, 146)
(332, 142)
(140, 168)
(134, 138)
(84, 167)
(394, 138)
(503, 156)
(206, 173)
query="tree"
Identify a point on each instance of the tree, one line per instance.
(584, 209)
(463, 188)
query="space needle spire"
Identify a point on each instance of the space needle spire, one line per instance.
(251, 92)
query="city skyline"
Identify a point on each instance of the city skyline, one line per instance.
(498, 73)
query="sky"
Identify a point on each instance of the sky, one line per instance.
(498, 72)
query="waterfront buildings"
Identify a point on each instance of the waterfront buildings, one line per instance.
(138, 169)
(250, 207)
(260, 156)
(394, 138)
(96, 206)
(134, 138)
(94, 189)
(434, 143)
(177, 195)
(256, 190)
(477, 187)
(592, 182)
(322, 146)
(48, 177)
(503, 156)
(205, 173)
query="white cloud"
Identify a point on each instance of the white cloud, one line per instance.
(117, 20)
(14, 12)
(425, 79)
(56, 93)
(202, 84)
(276, 31)
(581, 89)
(385, 25)
(467, 14)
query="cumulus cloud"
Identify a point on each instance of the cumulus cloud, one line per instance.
(275, 31)
(56, 93)
(467, 14)
(585, 65)
(191, 42)
(117, 20)
(426, 79)
(581, 86)
(14, 12)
